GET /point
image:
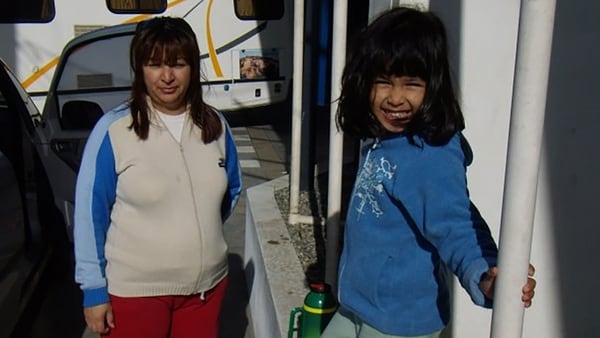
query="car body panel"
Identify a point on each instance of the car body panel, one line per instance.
(24, 248)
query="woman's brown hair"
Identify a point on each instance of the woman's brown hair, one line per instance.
(171, 38)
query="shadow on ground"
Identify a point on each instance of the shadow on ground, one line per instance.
(234, 321)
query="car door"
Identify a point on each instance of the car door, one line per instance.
(12, 222)
(23, 240)
(12, 243)
(92, 76)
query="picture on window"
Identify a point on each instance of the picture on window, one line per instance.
(259, 64)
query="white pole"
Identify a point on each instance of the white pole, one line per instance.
(526, 128)
(297, 76)
(336, 143)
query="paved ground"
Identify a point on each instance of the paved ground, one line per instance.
(266, 143)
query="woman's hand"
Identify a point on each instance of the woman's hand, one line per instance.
(488, 281)
(99, 318)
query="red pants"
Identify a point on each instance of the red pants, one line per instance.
(168, 316)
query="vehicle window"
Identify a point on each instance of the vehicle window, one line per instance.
(25, 11)
(136, 6)
(89, 83)
(259, 9)
(88, 68)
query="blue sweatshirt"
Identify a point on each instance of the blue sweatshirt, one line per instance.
(410, 219)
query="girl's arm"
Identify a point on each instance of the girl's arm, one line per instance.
(451, 222)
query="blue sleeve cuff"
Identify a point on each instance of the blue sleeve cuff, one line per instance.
(93, 297)
(471, 280)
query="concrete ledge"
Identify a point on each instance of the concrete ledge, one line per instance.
(274, 274)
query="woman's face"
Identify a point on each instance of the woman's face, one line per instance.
(395, 100)
(167, 85)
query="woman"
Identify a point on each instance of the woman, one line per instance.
(159, 176)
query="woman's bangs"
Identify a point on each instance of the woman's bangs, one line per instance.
(172, 52)
(168, 50)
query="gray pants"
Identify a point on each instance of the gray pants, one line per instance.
(345, 325)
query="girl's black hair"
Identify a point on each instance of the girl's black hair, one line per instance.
(402, 42)
(171, 38)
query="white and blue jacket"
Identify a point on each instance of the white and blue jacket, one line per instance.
(149, 213)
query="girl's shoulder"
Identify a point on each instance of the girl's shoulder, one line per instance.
(416, 151)
(456, 152)
(420, 153)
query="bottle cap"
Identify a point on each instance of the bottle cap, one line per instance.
(319, 287)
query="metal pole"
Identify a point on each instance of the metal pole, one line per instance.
(336, 143)
(525, 138)
(296, 106)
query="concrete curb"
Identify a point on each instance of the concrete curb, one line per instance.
(274, 274)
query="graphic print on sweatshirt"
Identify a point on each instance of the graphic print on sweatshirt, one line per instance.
(370, 184)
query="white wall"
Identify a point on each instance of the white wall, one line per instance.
(483, 38)
(274, 275)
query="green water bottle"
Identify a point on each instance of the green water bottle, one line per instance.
(319, 306)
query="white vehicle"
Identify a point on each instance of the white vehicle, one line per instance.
(245, 44)
(246, 64)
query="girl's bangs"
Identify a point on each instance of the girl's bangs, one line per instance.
(406, 61)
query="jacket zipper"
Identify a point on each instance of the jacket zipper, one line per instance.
(189, 176)
(366, 160)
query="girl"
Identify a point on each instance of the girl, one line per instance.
(410, 218)
(159, 176)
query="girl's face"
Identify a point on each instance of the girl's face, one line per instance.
(395, 100)
(167, 85)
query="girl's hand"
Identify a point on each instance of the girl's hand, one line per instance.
(529, 288)
(488, 282)
(99, 318)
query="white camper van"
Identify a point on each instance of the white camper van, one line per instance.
(73, 78)
(245, 44)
